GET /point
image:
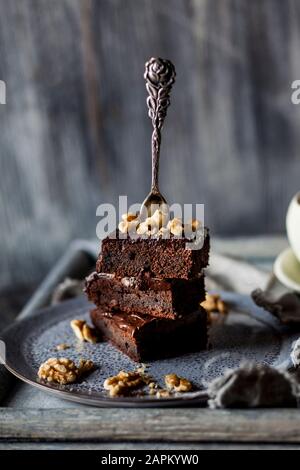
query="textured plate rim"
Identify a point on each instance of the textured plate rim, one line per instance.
(97, 400)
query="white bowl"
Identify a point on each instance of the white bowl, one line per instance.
(293, 224)
(287, 270)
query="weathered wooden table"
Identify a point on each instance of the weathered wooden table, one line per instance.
(30, 419)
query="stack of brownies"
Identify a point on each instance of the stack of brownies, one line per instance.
(147, 294)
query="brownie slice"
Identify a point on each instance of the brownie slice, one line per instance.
(167, 298)
(162, 258)
(144, 338)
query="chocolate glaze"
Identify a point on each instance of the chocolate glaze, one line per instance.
(135, 322)
(144, 338)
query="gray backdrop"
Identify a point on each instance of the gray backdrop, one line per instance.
(75, 133)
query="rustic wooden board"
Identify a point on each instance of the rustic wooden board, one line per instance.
(172, 425)
(74, 131)
(142, 446)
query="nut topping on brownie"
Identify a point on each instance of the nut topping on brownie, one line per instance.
(158, 225)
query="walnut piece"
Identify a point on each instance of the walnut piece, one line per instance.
(177, 384)
(163, 393)
(195, 224)
(160, 217)
(63, 370)
(62, 347)
(148, 227)
(85, 366)
(175, 226)
(89, 334)
(126, 227)
(222, 307)
(77, 327)
(142, 229)
(124, 382)
(129, 217)
(142, 368)
(128, 223)
(164, 232)
(213, 303)
(83, 331)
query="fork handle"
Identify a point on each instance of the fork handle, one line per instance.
(159, 75)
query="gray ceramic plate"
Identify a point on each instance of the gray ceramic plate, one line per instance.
(248, 333)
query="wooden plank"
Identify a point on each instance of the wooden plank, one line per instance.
(141, 446)
(142, 425)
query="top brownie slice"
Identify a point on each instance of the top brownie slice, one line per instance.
(162, 258)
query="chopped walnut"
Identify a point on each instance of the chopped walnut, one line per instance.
(196, 225)
(142, 229)
(142, 368)
(83, 331)
(222, 307)
(85, 366)
(62, 347)
(153, 388)
(164, 232)
(128, 223)
(152, 385)
(175, 226)
(160, 217)
(124, 382)
(77, 327)
(148, 227)
(158, 225)
(213, 303)
(177, 384)
(128, 227)
(62, 371)
(89, 334)
(129, 217)
(191, 228)
(163, 393)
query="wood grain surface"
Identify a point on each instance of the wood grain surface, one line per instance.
(142, 446)
(140, 425)
(75, 132)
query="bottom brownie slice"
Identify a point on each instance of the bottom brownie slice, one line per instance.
(143, 337)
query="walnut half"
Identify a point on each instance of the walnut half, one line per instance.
(63, 370)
